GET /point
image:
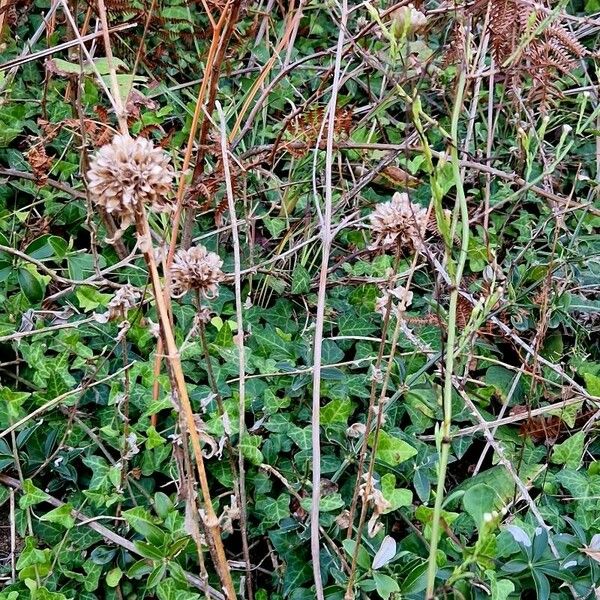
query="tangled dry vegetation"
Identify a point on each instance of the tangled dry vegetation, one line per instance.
(299, 299)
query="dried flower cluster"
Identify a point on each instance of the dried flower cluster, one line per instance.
(124, 299)
(196, 269)
(129, 173)
(398, 222)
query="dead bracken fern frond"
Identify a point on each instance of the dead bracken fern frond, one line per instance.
(524, 45)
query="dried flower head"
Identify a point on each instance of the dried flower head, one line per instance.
(400, 299)
(129, 172)
(369, 494)
(407, 20)
(196, 269)
(356, 430)
(124, 299)
(398, 222)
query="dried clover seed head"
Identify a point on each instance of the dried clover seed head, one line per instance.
(196, 269)
(129, 172)
(124, 299)
(398, 222)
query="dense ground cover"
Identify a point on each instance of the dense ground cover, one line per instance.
(320, 320)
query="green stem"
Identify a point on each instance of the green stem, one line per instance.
(444, 433)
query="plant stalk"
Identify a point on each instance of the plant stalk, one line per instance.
(211, 521)
(444, 433)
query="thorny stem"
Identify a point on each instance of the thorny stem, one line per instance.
(211, 521)
(444, 431)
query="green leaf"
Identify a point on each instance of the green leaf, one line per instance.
(397, 497)
(30, 285)
(274, 510)
(479, 500)
(392, 450)
(326, 503)
(148, 550)
(10, 406)
(502, 380)
(351, 325)
(502, 589)
(302, 437)
(47, 246)
(162, 504)
(143, 522)
(385, 585)
(61, 515)
(569, 452)
(31, 495)
(273, 403)
(81, 265)
(336, 411)
(169, 589)
(592, 384)
(90, 298)
(249, 446)
(113, 577)
(300, 280)
(157, 574)
(362, 558)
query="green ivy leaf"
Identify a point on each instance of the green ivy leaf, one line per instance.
(392, 450)
(31, 495)
(336, 411)
(592, 384)
(300, 280)
(90, 298)
(569, 452)
(249, 446)
(61, 515)
(326, 503)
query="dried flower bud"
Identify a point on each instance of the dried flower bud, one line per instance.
(356, 430)
(343, 519)
(398, 222)
(196, 269)
(128, 173)
(371, 495)
(400, 294)
(407, 20)
(124, 299)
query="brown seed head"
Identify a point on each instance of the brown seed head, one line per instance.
(398, 222)
(128, 173)
(196, 269)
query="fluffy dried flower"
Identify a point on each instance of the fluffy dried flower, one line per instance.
(398, 222)
(196, 269)
(129, 172)
(124, 299)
